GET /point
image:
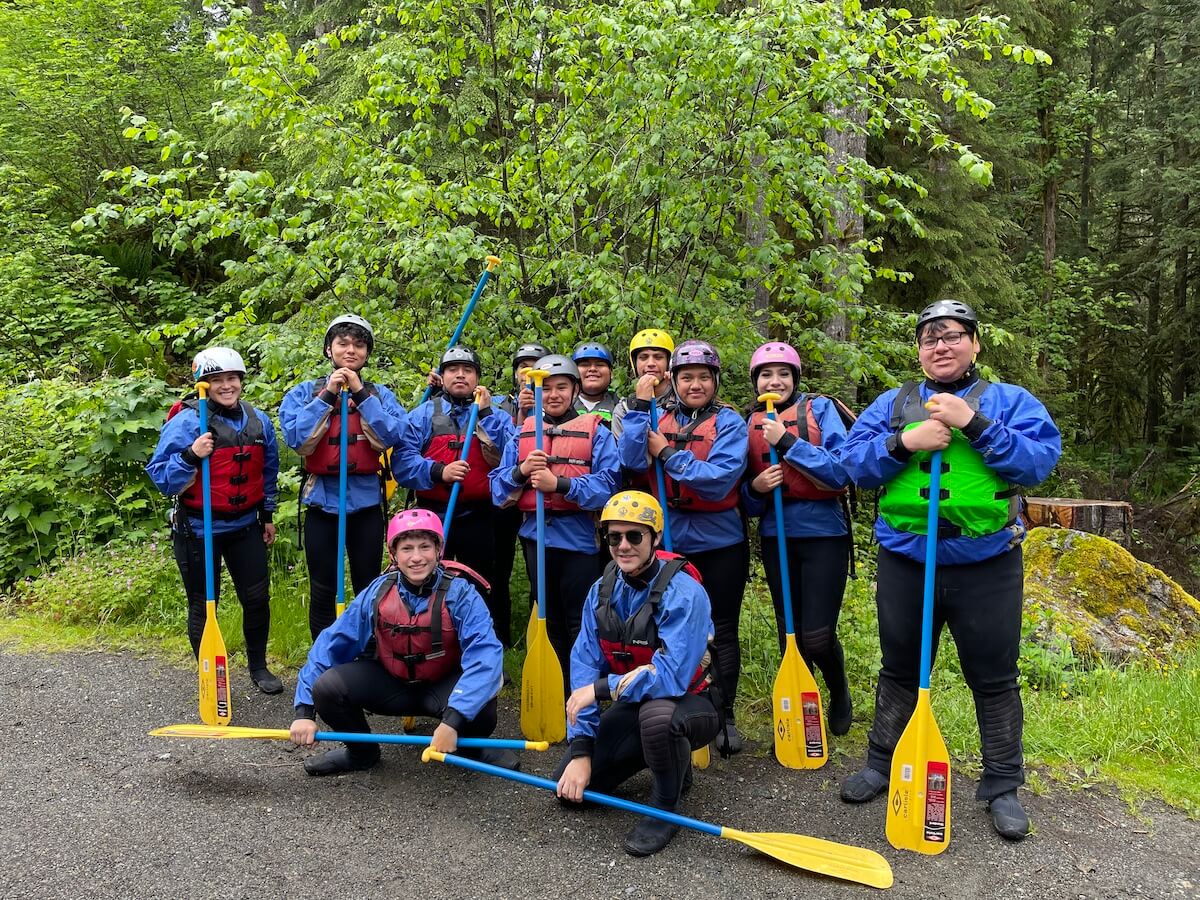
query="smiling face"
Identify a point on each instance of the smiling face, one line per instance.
(558, 394)
(460, 380)
(695, 386)
(225, 388)
(652, 361)
(630, 558)
(347, 352)
(775, 378)
(415, 554)
(596, 375)
(945, 362)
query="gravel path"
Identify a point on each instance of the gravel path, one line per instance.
(93, 807)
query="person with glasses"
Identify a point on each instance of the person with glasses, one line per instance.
(995, 438)
(642, 650)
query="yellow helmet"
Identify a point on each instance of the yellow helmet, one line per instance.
(634, 507)
(649, 339)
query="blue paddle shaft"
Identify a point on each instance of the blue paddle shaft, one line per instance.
(541, 507)
(781, 539)
(344, 396)
(661, 479)
(210, 581)
(931, 530)
(592, 796)
(472, 419)
(462, 321)
(414, 740)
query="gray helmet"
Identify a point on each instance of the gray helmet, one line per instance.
(357, 322)
(460, 354)
(949, 309)
(557, 364)
(529, 351)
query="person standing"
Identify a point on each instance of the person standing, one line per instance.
(595, 364)
(649, 354)
(994, 438)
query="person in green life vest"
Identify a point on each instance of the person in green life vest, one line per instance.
(994, 438)
(595, 364)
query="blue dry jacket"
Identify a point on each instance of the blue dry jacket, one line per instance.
(482, 654)
(171, 474)
(303, 412)
(685, 624)
(806, 518)
(414, 471)
(564, 530)
(1020, 443)
(712, 479)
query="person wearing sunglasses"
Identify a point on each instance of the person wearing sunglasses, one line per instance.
(995, 438)
(643, 650)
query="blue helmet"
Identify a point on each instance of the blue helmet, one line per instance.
(591, 350)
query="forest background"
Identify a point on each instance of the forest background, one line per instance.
(176, 174)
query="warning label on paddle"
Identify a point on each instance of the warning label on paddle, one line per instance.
(810, 706)
(222, 687)
(937, 786)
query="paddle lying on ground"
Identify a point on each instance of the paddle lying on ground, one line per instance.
(468, 435)
(918, 815)
(813, 854)
(216, 699)
(493, 263)
(340, 605)
(543, 701)
(700, 758)
(347, 737)
(799, 720)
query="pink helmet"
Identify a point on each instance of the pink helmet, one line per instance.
(774, 352)
(414, 520)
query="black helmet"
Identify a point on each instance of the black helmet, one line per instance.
(460, 354)
(529, 351)
(949, 309)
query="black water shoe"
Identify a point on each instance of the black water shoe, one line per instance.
(864, 786)
(265, 681)
(729, 739)
(841, 712)
(1009, 817)
(649, 836)
(335, 762)
(493, 756)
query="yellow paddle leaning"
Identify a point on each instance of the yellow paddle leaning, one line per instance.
(543, 701)
(918, 816)
(216, 702)
(799, 724)
(352, 737)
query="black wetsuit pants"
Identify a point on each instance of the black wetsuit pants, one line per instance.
(364, 549)
(725, 571)
(569, 576)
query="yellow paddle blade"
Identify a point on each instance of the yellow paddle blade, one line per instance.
(216, 702)
(701, 758)
(408, 723)
(531, 628)
(843, 861)
(918, 816)
(543, 705)
(799, 724)
(219, 732)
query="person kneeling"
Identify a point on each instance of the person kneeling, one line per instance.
(437, 655)
(644, 646)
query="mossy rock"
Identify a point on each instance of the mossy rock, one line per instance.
(1108, 604)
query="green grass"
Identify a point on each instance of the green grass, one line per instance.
(1137, 728)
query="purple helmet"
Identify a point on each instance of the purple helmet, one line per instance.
(696, 353)
(774, 352)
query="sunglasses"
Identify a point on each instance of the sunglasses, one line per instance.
(613, 538)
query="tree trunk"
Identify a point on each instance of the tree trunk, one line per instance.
(1085, 174)
(1049, 204)
(1112, 519)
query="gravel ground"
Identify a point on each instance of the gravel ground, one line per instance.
(96, 808)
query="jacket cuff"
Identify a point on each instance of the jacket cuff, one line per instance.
(454, 719)
(582, 746)
(563, 485)
(436, 472)
(976, 427)
(667, 453)
(518, 476)
(190, 458)
(786, 443)
(484, 413)
(266, 516)
(328, 397)
(306, 711)
(896, 449)
(640, 405)
(361, 397)
(601, 686)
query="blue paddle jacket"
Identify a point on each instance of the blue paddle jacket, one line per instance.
(300, 415)
(712, 478)
(805, 518)
(685, 624)
(414, 471)
(347, 637)
(1014, 433)
(171, 473)
(564, 530)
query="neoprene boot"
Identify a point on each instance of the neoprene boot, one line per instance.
(729, 739)
(1009, 817)
(335, 762)
(493, 756)
(265, 681)
(649, 836)
(864, 786)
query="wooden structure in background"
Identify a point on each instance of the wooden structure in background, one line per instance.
(1112, 519)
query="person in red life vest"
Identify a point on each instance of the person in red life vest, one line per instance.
(701, 444)
(643, 648)
(436, 655)
(311, 420)
(595, 364)
(807, 435)
(576, 471)
(427, 460)
(519, 403)
(650, 359)
(243, 474)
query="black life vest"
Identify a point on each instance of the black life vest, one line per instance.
(422, 647)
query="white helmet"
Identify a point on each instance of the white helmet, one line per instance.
(351, 319)
(215, 361)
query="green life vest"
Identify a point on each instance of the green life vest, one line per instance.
(974, 500)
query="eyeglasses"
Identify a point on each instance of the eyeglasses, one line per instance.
(613, 538)
(950, 339)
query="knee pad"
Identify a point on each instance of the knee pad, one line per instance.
(817, 644)
(1001, 721)
(894, 705)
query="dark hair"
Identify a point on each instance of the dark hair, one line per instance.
(352, 331)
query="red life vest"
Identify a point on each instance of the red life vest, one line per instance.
(361, 457)
(445, 446)
(797, 485)
(698, 436)
(421, 647)
(235, 468)
(631, 643)
(569, 447)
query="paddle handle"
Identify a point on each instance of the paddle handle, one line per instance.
(493, 263)
(931, 530)
(210, 581)
(472, 419)
(540, 500)
(661, 479)
(343, 468)
(591, 796)
(781, 538)
(420, 740)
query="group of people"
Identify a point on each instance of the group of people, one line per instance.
(646, 545)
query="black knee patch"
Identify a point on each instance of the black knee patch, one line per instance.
(1001, 722)
(894, 705)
